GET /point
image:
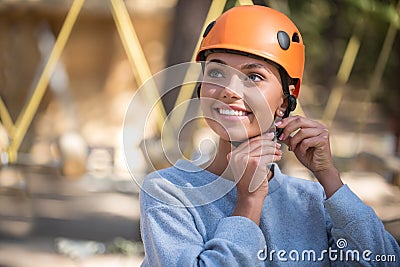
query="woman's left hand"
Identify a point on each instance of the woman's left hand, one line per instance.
(310, 143)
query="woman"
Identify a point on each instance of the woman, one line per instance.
(239, 209)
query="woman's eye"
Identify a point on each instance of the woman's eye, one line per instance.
(255, 77)
(215, 73)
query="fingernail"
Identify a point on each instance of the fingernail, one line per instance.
(281, 137)
(270, 134)
(278, 123)
(278, 145)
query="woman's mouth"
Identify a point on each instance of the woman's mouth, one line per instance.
(231, 112)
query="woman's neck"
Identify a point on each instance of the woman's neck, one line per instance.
(219, 165)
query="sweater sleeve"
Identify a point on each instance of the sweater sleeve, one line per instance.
(171, 238)
(355, 229)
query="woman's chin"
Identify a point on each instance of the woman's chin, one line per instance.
(235, 137)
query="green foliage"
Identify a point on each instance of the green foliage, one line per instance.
(383, 10)
(327, 26)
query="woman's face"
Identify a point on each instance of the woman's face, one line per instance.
(240, 95)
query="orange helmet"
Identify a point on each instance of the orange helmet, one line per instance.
(259, 31)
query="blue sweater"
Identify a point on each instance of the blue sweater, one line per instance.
(186, 221)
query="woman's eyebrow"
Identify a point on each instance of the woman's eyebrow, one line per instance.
(254, 66)
(246, 66)
(216, 61)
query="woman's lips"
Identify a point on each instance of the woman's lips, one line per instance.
(232, 113)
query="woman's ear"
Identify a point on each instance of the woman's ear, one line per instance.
(288, 102)
(292, 101)
(282, 108)
(291, 89)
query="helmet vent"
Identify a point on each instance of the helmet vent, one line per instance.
(208, 29)
(296, 38)
(283, 40)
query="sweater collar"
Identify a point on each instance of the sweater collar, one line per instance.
(188, 166)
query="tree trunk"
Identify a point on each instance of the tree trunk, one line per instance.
(188, 22)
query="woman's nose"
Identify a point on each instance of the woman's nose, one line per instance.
(233, 89)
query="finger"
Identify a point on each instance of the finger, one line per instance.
(264, 151)
(264, 148)
(320, 141)
(302, 134)
(263, 144)
(261, 179)
(259, 158)
(293, 119)
(259, 146)
(295, 123)
(253, 142)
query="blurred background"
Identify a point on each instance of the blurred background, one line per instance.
(68, 69)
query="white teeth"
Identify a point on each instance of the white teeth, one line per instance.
(231, 112)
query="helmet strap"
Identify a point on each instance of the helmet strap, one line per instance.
(292, 102)
(198, 87)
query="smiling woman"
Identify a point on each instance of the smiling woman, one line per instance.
(245, 97)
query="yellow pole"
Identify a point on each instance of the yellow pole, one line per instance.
(25, 118)
(244, 2)
(343, 74)
(137, 58)
(6, 118)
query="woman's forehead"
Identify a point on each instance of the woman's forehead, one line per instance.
(240, 61)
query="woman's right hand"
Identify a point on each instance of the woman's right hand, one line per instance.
(250, 163)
